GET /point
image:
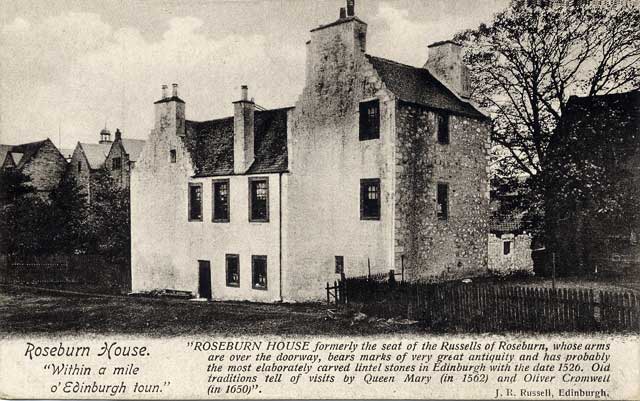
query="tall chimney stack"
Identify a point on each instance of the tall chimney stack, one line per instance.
(351, 8)
(445, 63)
(118, 134)
(343, 13)
(243, 132)
(165, 91)
(175, 90)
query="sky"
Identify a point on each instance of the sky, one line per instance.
(70, 67)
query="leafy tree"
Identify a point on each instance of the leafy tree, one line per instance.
(527, 63)
(14, 184)
(109, 216)
(69, 217)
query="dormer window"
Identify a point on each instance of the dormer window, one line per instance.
(370, 120)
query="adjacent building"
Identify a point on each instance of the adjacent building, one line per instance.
(378, 166)
(41, 161)
(117, 157)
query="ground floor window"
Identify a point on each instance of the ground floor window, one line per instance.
(259, 272)
(339, 264)
(233, 270)
(506, 248)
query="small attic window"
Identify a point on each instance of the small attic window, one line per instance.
(370, 120)
(172, 155)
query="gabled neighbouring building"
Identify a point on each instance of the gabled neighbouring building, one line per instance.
(378, 166)
(41, 161)
(117, 157)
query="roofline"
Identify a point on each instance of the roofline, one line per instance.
(633, 92)
(338, 22)
(443, 42)
(480, 117)
(232, 174)
(231, 117)
(169, 99)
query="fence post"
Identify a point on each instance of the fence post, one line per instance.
(328, 293)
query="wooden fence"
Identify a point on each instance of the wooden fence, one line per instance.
(96, 270)
(490, 307)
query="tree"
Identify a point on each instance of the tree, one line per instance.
(109, 216)
(69, 217)
(530, 60)
(14, 184)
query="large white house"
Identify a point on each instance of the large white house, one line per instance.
(378, 166)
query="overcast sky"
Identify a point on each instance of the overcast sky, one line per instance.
(76, 64)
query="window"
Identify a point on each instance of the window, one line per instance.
(506, 247)
(443, 201)
(259, 199)
(443, 128)
(339, 264)
(172, 155)
(220, 201)
(369, 120)
(116, 163)
(195, 202)
(370, 199)
(259, 272)
(233, 270)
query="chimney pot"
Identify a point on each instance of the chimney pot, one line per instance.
(343, 13)
(175, 90)
(244, 92)
(118, 134)
(351, 8)
(165, 92)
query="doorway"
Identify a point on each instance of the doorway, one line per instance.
(204, 279)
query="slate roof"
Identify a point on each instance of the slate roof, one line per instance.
(133, 147)
(418, 85)
(96, 153)
(23, 152)
(210, 144)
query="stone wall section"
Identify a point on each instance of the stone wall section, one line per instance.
(517, 260)
(46, 168)
(429, 248)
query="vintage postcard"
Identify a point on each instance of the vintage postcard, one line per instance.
(422, 199)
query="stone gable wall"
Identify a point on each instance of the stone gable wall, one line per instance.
(46, 168)
(429, 248)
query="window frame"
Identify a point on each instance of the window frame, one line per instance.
(250, 181)
(443, 131)
(445, 215)
(507, 247)
(367, 131)
(253, 272)
(191, 185)
(173, 156)
(118, 165)
(213, 200)
(227, 257)
(339, 264)
(365, 182)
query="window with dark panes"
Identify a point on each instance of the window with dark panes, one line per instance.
(443, 201)
(233, 270)
(339, 264)
(370, 199)
(506, 247)
(369, 120)
(79, 167)
(195, 202)
(259, 272)
(172, 155)
(116, 163)
(258, 199)
(443, 128)
(220, 200)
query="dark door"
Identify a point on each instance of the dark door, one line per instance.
(204, 282)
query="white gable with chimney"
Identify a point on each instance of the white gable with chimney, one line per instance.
(269, 205)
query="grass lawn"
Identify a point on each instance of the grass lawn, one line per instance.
(30, 311)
